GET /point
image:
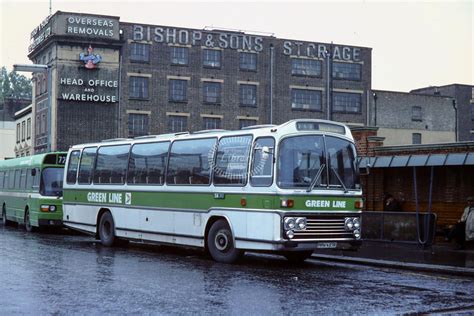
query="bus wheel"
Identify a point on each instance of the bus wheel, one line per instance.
(298, 256)
(5, 221)
(28, 226)
(107, 230)
(220, 243)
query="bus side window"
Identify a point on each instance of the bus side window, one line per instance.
(17, 178)
(232, 159)
(261, 174)
(111, 167)
(86, 166)
(9, 179)
(23, 179)
(147, 163)
(29, 179)
(2, 177)
(190, 162)
(72, 167)
(36, 179)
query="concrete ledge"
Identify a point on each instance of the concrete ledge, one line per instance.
(399, 265)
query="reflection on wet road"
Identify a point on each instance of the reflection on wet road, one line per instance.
(63, 273)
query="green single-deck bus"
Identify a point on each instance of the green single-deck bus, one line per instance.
(31, 190)
(287, 189)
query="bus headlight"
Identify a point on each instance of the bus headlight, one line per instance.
(290, 234)
(289, 223)
(349, 223)
(356, 223)
(357, 234)
(301, 223)
(48, 208)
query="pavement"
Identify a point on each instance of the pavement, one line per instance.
(439, 258)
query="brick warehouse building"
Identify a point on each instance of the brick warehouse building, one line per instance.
(137, 79)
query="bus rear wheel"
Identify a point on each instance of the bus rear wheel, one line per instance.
(298, 256)
(107, 230)
(220, 243)
(28, 227)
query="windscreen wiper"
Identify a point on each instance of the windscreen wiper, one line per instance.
(316, 178)
(340, 180)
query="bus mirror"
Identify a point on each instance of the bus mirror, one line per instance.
(365, 171)
(33, 172)
(265, 152)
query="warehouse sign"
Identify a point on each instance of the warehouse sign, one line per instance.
(195, 37)
(236, 41)
(316, 50)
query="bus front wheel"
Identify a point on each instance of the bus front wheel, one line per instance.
(220, 243)
(28, 227)
(107, 230)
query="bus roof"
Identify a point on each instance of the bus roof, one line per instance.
(30, 161)
(290, 127)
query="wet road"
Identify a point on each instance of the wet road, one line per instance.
(63, 273)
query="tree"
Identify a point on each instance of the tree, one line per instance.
(14, 85)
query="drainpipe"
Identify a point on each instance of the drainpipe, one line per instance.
(455, 120)
(272, 57)
(375, 108)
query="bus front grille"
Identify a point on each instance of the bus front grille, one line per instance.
(323, 228)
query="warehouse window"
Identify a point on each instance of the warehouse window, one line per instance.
(248, 61)
(416, 113)
(305, 67)
(179, 55)
(139, 52)
(246, 122)
(43, 123)
(212, 92)
(28, 128)
(416, 138)
(346, 102)
(138, 88)
(137, 124)
(347, 71)
(211, 58)
(23, 131)
(177, 124)
(177, 90)
(472, 112)
(306, 99)
(248, 95)
(211, 123)
(18, 133)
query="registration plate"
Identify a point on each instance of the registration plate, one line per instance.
(326, 245)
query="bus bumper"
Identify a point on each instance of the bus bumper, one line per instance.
(50, 222)
(338, 245)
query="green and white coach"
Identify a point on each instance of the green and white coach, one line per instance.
(288, 189)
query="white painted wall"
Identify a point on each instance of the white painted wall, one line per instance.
(7, 140)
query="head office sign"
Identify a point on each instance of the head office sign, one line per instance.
(88, 83)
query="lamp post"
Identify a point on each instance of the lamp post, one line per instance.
(327, 54)
(39, 68)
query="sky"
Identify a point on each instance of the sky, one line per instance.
(415, 43)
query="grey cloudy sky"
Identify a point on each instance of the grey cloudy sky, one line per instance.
(415, 44)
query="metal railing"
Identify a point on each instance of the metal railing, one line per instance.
(399, 226)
